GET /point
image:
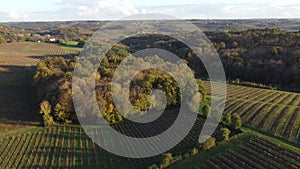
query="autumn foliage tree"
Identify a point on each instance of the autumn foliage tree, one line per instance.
(45, 110)
(2, 40)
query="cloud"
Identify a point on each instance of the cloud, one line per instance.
(228, 8)
(116, 9)
(101, 9)
(15, 15)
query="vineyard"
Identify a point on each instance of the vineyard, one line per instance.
(28, 54)
(270, 110)
(250, 152)
(257, 153)
(70, 147)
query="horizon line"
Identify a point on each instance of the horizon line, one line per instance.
(111, 20)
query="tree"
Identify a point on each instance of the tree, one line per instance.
(206, 110)
(45, 110)
(227, 119)
(59, 114)
(236, 121)
(195, 101)
(195, 151)
(222, 45)
(209, 143)
(235, 44)
(2, 40)
(154, 166)
(68, 75)
(42, 73)
(274, 51)
(167, 159)
(225, 134)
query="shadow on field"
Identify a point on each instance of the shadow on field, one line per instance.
(66, 56)
(18, 101)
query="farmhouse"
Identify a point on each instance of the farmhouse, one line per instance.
(52, 40)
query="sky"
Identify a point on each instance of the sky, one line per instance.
(63, 10)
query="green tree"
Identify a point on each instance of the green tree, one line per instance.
(225, 134)
(142, 103)
(195, 101)
(167, 160)
(154, 166)
(68, 76)
(227, 119)
(236, 121)
(274, 51)
(205, 110)
(195, 151)
(45, 110)
(209, 143)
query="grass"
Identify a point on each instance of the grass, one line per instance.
(71, 43)
(9, 130)
(68, 48)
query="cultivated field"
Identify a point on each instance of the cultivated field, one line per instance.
(28, 54)
(70, 147)
(273, 111)
(248, 152)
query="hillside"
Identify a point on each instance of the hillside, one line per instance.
(271, 119)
